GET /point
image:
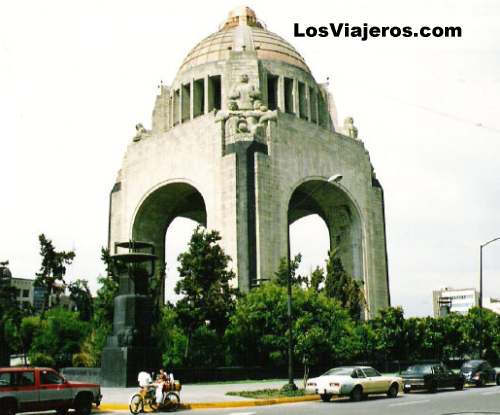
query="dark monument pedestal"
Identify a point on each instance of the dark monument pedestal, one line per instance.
(129, 349)
(120, 365)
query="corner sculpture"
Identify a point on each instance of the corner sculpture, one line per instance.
(246, 113)
(141, 133)
(349, 129)
(129, 349)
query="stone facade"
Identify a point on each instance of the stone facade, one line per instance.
(244, 141)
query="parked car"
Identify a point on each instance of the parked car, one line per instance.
(431, 376)
(355, 382)
(479, 373)
(31, 389)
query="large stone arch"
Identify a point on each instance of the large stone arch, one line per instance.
(160, 207)
(338, 209)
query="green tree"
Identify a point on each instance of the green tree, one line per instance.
(171, 339)
(342, 287)
(389, 333)
(102, 319)
(317, 278)
(8, 311)
(257, 330)
(322, 330)
(207, 297)
(59, 336)
(79, 293)
(288, 269)
(257, 333)
(52, 270)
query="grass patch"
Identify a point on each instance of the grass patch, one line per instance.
(267, 393)
(233, 382)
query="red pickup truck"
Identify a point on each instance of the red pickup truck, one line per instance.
(29, 389)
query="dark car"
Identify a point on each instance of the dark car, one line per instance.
(431, 376)
(479, 373)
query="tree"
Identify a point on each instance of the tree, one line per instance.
(342, 287)
(59, 336)
(102, 318)
(81, 296)
(322, 330)
(8, 311)
(52, 270)
(317, 278)
(208, 299)
(171, 339)
(108, 290)
(288, 269)
(257, 331)
(389, 333)
(256, 334)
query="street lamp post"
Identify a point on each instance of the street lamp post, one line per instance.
(291, 384)
(481, 270)
(481, 291)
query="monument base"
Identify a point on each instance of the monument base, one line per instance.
(120, 365)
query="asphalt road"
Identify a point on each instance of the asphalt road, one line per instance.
(471, 400)
(476, 401)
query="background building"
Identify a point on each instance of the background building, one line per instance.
(461, 300)
(492, 304)
(24, 290)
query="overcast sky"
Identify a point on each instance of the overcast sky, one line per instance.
(76, 76)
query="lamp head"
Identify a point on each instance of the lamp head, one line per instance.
(335, 178)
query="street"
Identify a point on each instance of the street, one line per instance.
(470, 400)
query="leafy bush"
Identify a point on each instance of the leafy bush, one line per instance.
(41, 359)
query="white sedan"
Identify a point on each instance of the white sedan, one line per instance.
(353, 381)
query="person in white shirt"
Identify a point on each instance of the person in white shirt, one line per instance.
(144, 379)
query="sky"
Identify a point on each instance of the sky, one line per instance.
(76, 76)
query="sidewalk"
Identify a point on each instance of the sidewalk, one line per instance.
(210, 395)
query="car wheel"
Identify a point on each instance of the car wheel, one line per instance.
(459, 386)
(325, 397)
(433, 387)
(10, 409)
(498, 379)
(83, 406)
(357, 394)
(393, 391)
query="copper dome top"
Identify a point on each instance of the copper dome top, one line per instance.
(243, 31)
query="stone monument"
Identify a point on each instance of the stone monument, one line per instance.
(244, 141)
(129, 349)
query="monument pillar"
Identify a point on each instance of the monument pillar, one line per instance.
(129, 349)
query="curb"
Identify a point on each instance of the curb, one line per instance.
(229, 404)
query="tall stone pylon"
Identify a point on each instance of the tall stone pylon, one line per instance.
(246, 142)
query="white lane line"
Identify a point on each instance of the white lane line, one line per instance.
(411, 403)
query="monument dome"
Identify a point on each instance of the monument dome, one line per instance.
(242, 31)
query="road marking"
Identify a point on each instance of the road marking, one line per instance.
(411, 403)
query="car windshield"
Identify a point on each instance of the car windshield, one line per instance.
(471, 365)
(425, 369)
(339, 371)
